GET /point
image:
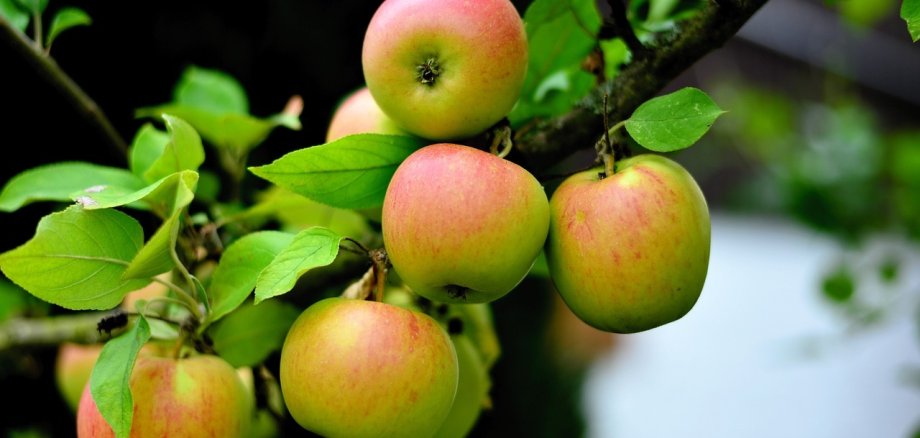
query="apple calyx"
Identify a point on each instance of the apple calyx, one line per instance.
(457, 291)
(427, 72)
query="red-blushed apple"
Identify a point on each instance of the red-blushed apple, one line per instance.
(359, 114)
(445, 69)
(462, 225)
(72, 368)
(362, 368)
(629, 252)
(201, 396)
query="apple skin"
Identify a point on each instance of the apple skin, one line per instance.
(629, 252)
(72, 368)
(472, 391)
(362, 368)
(201, 396)
(480, 49)
(360, 114)
(461, 225)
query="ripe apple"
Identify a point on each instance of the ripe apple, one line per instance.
(445, 69)
(72, 368)
(194, 397)
(359, 114)
(462, 225)
(363, 368)
(472, 390)
(629, 252)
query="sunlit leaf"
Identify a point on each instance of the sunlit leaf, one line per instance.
(351, 172)
(67, 18)
(910, 12)
(56, 182)
(311, 248)
(674, 121)
(248, 335)
(77, 258)
(239, 268)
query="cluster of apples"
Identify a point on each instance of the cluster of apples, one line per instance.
(627, 251)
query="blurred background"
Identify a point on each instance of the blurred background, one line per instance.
(808, 324)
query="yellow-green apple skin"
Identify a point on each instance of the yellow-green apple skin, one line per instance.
(201, 396)
(72, 369)
(445, 69)
(461, 225)
(357, 368)
(629, 252)
(472, 391)
(360, 114)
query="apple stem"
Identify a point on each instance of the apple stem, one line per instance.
(605, 148)
(501, 136)
(381, 267)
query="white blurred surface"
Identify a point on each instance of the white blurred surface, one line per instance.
(763, 354)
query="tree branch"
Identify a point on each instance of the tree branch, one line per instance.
(553, 140)
(80, 328)
(618, 26)
(48, 69)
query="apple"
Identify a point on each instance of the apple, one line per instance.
(445, 69)
(462, 225)
(363, 368)
(359, 114)
(629, 252)
(193, 397)
(72, 368)
(472, 390)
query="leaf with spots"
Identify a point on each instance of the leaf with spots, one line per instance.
(673, 122)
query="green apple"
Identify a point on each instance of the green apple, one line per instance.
(472, 390)
(362, 368)
(72, 368)
(462, 225)
(359, 114)
(445, 69)
(629, 252)
(193, 397)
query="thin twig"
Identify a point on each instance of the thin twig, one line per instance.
(51, 72)
(619, 25)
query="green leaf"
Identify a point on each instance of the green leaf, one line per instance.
(311, 248)
(247, 336)
(148, 145)
(77, 258)
(239, 132)
(156, 257)
(18, 17)
(13, 300)
(674, 121)
(236, 274)
(56, 182)
(542, 11)
(166, 196)
(910, 12)
(839, 285)
(540, 269)
(32, 6)
(351, 172)
(111, 377)
(211, 90)
(183, 152)
(297, 213)
(559, 41)
(65, 19)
